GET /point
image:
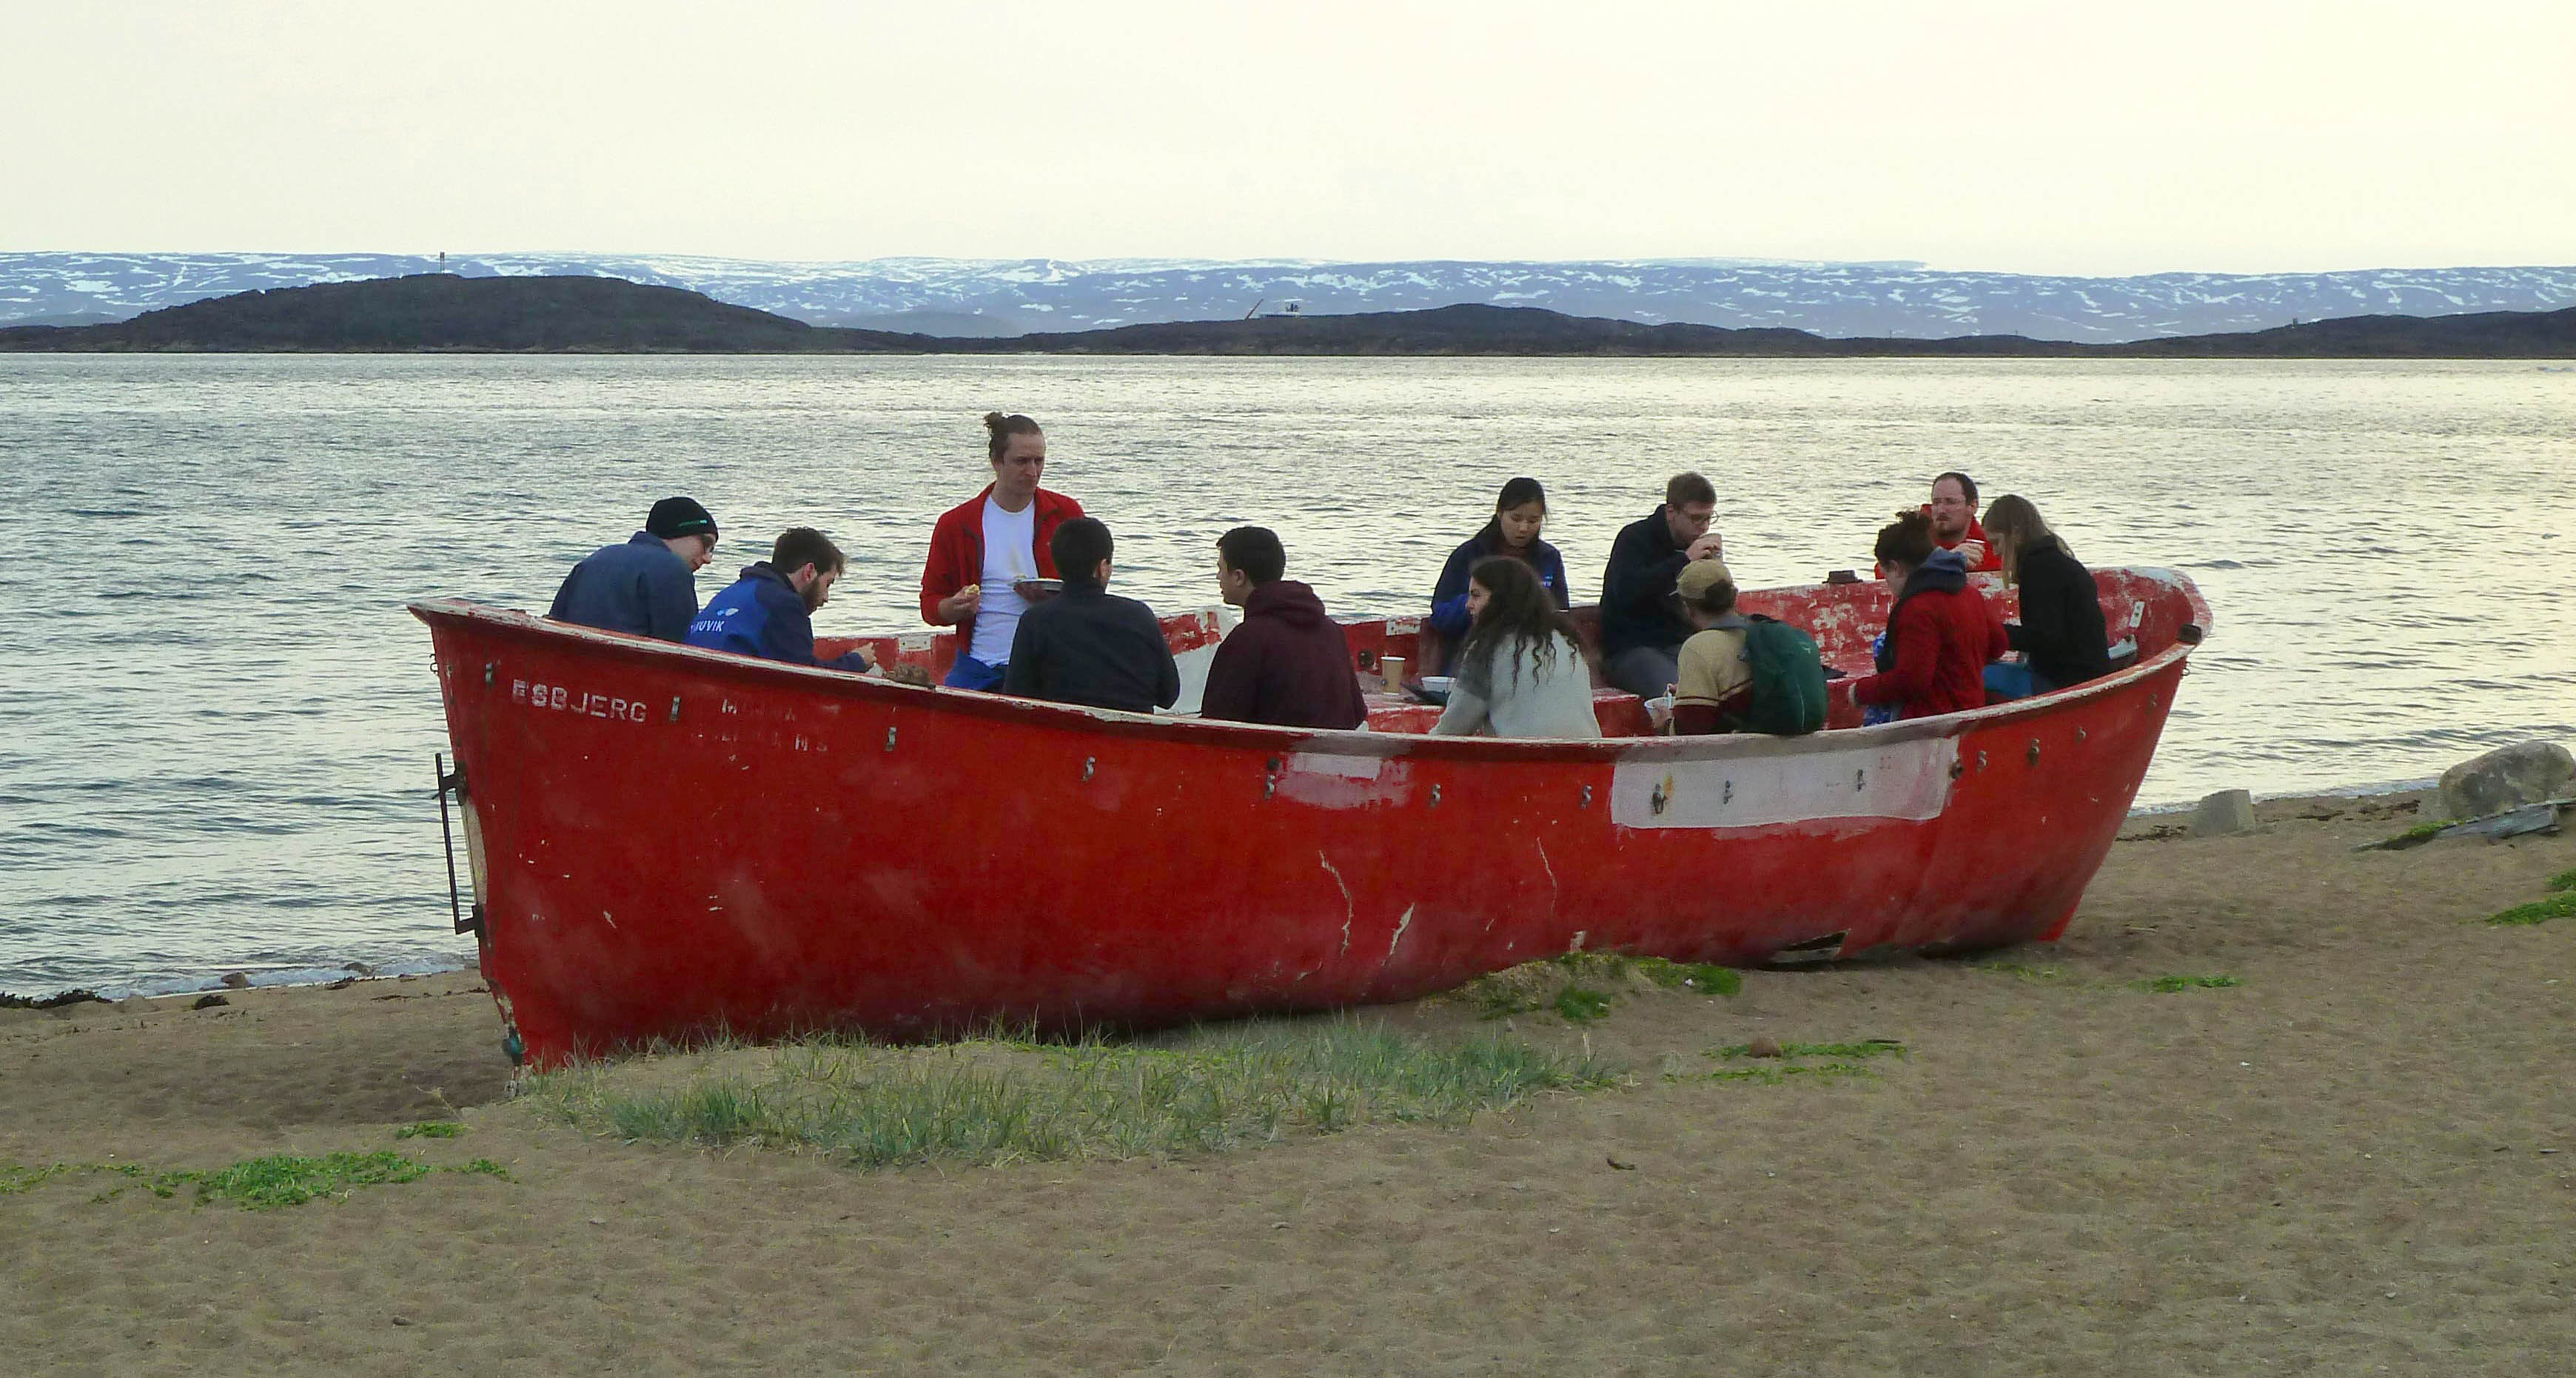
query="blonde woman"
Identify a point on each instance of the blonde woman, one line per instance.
(2060, 634)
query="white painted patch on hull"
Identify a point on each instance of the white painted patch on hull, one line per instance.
(1906, 780)
(1336, 781)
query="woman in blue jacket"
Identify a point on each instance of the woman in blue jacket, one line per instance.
(1518, 514)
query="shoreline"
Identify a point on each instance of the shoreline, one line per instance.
(2270, 1103)
(315, 975)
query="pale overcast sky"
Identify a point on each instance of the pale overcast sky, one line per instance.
(2087, 138)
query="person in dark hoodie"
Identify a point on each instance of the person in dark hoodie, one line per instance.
(769, 612)
(1288, 664)
(1939, 634)
(1513, 530)
(2060, 634)
(646, 585)
(1642, 627)
(1086, 645)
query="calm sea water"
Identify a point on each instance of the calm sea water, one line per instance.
(216, 719)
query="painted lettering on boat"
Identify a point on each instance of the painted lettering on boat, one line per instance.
(564, 699)
(1908, 780)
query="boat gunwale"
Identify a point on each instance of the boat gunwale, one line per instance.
(516, 624)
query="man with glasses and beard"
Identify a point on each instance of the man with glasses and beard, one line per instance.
(1642, 627)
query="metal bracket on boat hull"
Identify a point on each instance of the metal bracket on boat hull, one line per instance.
(453, 780)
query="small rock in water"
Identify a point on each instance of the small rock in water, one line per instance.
(237, 980)
(1765, 1046)
(207, 1002)
(359, 969)
(2228, 811)
(2506, 778)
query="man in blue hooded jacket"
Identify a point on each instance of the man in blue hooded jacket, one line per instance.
(646, 586)
(769, 612)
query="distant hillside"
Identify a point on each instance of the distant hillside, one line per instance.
(1470, 330)
(950, 296)
(2482, 335)
(437, 312)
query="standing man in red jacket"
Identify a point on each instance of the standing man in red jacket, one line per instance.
(985, 552)
(1288, 664)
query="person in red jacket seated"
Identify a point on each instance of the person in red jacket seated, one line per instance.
(985, 552)
(1953, 510)
(1939, 635)
(1288, 664)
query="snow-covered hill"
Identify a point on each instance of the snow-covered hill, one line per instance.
(1008, 297)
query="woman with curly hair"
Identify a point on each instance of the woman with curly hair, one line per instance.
(1520, 672)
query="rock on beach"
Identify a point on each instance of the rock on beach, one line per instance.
(2506, 778)
(2227, 812)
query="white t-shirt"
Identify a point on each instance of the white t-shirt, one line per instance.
(1010, 555)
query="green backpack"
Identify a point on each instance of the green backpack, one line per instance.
(1788, 679)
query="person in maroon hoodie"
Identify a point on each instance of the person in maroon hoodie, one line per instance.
(1939, 634)
(1288, 664)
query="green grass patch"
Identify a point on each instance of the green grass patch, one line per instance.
(1001, 1100)
(2168, 985)
(17, 1180)
(430, 1129)
(2564, 880)
(1839, 1061)
(1704, 977)
(1781, 1075)
(2415, 836)
(1584, 986)
(1579, 1005)
(2538, 911)
(286, 1179)
(257, 1184)
(1864, 1048)
(2024, 970)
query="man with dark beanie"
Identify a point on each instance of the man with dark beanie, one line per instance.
(1087, 645)
(645, 586)
(1288, 664)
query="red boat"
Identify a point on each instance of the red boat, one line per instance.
(667, 841)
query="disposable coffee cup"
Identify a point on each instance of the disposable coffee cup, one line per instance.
(1392, 667)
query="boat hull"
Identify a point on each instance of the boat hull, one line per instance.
(674, 842)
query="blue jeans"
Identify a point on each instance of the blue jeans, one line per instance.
(1645, 671)
(2006, 681)
(970, 673)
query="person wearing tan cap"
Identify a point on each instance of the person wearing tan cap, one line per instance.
(1715, 684)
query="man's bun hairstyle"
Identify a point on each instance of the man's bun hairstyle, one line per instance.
(1002, 428)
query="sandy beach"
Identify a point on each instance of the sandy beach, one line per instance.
(2360, 1159)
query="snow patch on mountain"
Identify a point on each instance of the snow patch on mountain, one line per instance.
(1008, 296)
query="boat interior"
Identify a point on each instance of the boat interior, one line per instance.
(2142, 613)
